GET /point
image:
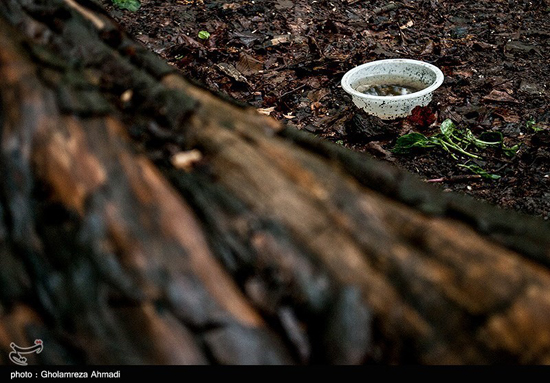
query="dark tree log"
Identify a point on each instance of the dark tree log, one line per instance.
(273, 247)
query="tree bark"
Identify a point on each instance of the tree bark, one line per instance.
(144, 220)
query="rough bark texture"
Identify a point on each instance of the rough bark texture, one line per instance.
(275, 247)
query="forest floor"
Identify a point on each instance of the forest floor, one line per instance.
(286, 58)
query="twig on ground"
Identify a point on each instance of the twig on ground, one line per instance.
(292, 91)
(457, 178)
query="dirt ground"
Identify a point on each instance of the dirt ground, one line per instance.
(287, 58)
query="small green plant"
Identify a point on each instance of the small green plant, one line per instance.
(204, 35)
(532, 124)
(453, 140)
(479, 170)
(131, 5)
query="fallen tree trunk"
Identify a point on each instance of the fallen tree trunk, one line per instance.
(256, 244)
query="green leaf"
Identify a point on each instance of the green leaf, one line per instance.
(510, 151)
(204, 35)
(531, 124)
(478, 170)
(412, 140)
(131, 5)
(485, 139)
(447, 128)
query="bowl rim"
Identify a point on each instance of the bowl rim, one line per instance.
(436, 84)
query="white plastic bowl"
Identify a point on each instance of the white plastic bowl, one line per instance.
(392, 107)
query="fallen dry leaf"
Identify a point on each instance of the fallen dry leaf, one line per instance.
(507, 115)
(127, 95)
(463, 73)
(315, 105)
(282, 39)
(317, 95)
(284, 4)
(248, 65)
(189, 41)
(429, 48)
(408, 25)
(483, 45)
(186, 160)
(266, 111)
(499, 96)
(232, 72)
(231, 6)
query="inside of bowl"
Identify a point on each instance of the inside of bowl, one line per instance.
(403, 74)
